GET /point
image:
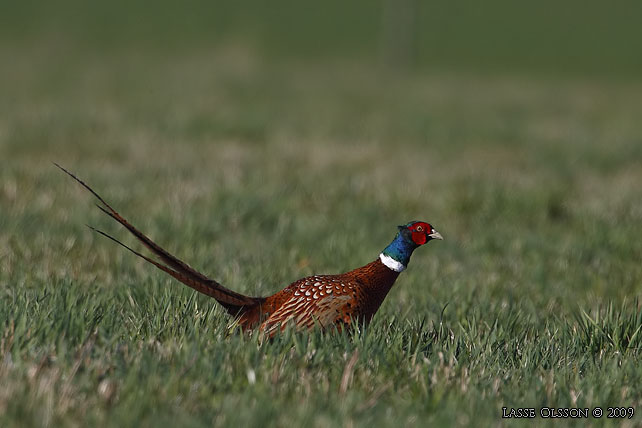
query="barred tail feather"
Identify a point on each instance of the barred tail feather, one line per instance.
(233, 302)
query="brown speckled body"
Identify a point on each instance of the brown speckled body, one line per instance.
(323, 300)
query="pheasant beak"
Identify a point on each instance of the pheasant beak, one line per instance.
(435, 235)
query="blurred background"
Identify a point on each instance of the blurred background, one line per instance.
(265, 141)
(515, 128)
(574, 37)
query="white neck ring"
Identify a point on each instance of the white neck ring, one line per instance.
(391, 263)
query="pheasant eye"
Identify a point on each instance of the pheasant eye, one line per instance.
(420, 229)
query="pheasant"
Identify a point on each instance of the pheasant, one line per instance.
(320, 300)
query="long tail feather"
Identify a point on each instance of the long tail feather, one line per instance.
(178, 269)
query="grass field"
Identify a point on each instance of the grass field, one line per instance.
(258, 173)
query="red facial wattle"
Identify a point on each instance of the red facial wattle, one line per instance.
(419, 238)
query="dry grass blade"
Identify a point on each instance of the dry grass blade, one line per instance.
(348, 372)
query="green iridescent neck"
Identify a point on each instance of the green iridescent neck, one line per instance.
(401, 248)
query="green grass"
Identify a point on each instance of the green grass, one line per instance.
(259, 173)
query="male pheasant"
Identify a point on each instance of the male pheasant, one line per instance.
(320, 300)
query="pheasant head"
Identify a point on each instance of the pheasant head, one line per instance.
(411, 236)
